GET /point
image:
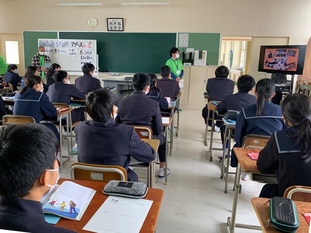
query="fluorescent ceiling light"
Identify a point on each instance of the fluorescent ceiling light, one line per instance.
(128, 3)
(79, 4)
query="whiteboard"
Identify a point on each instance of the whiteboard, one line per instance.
(71, 55)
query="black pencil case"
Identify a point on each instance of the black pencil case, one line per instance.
(126, 189)
(283, 214)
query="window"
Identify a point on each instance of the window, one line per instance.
(243, 55)
(11, 51)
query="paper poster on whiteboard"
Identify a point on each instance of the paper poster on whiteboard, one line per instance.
(71, 55)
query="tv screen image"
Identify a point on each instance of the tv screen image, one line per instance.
(287, 59)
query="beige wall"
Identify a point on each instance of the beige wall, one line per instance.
(231, 18)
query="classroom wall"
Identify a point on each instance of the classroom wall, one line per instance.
(231, 18)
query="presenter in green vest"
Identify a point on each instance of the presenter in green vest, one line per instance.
(175, 64)
(3, 66)
(39, 60)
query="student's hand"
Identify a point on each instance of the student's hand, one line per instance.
(178, 79)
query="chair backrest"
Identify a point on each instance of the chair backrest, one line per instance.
(298, 193)
(144, 132)
(255, 141)
(96, 172)
(17, 119)
(212, 105)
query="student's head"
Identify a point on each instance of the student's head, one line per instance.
(101, 105)
(246, 83)
(141, 82)
(31, 70)
(24, 168)
(88, 68)
(41, 50)
(222, 72)
(60, 76)
(153, 80)
(35, 82)
(165, 71)
(296, 109)
(12, 68)
(265, 90)
(174, 52)
(54, 67)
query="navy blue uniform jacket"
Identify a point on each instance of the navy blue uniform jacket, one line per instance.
(25, 215)
(139, 109)
(235, 102)
(282, 156)
(60, 92)
(169, 87)
(267, 123)
(87, 83)
(35, 104)
(12, 78)
(218, 88)
(110, 143)
(157, 95)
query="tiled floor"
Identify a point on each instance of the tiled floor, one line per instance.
(194, 200)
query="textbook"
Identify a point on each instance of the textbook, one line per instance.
(68, 200)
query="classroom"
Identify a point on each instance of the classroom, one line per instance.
(194, 198)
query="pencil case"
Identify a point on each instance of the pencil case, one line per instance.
(126, 189)
(283, 214)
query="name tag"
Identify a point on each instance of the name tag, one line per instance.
(178, 72)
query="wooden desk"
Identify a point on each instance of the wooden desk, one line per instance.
(261, 207)
(248, 165)
(229, 127)
(166, 125)
(149, 225)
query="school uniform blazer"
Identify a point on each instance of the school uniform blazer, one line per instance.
(139, 109)
(110, 143)
(25, 215)
(235, 102)
(157, 95)
(35, 104)
(218, 88)
(282, 156)
(60, 92)
(87, 83)
(266, 124)
(12, 78)
(169, 87)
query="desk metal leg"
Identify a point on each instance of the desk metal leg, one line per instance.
(172, 132)
(224, 155)
(166, 163)
(60, 143)
(177, 127)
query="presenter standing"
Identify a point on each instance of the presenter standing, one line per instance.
(3, 66)
(175, 64)
(39, 60)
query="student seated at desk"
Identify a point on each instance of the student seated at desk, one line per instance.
(169, 87)
(61, 92)
(139, 109)
(26, 174)
(31, 70)
(263, 118)
(238, 100)
(12, 76)
(217, 88)
(50, 73)
(156, 94)
(102, 141)
(288, 152)
(31, 101)
(87, 82)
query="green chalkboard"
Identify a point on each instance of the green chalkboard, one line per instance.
(128, 52)
(205, 41)
(31, 43)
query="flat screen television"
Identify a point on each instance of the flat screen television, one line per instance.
(286, 59)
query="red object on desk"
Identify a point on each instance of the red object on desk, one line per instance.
(253, 155)
(307, 217)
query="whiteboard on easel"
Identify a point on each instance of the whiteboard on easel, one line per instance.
(71, 55)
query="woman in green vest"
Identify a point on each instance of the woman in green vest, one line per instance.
(175, 64)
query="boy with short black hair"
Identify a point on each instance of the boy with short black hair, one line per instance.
(28, 170)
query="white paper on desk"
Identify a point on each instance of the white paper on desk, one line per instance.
(119, 215)
(165, 120)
